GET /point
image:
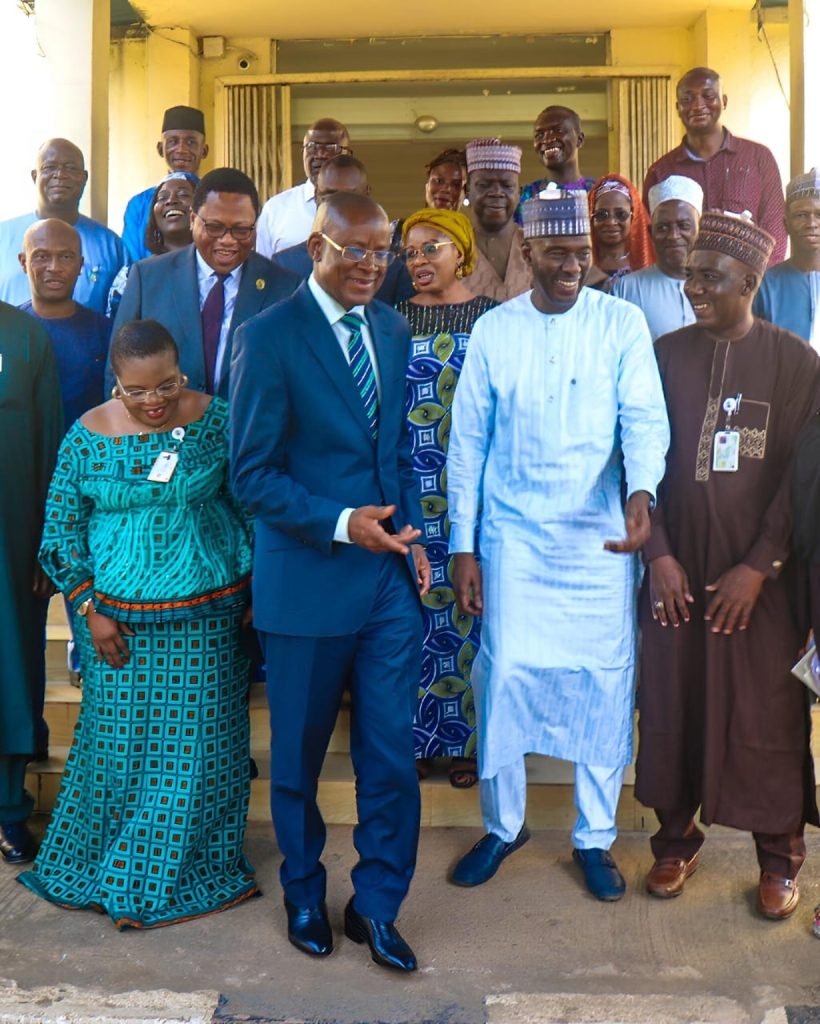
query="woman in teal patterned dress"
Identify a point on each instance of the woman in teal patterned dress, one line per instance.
(143, 538)
(439, 248)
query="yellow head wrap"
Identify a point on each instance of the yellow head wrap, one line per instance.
(455, 225)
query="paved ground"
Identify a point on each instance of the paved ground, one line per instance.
(530, 946)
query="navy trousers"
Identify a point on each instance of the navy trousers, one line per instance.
(306, 677)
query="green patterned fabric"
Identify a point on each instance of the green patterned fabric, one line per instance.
(150, 821)
(147, 552)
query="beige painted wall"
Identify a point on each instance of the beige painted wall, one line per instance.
(149, 75)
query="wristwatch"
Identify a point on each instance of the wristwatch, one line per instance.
(86, 607)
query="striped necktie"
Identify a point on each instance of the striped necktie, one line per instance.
(362, 369)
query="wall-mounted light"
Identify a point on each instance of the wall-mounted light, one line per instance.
(426, 123)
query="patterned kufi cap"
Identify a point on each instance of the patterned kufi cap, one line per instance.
(492, 155)
(679, 187)
(736, 235)
(556, 211)
(804, 186)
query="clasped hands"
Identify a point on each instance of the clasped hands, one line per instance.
(734, 595)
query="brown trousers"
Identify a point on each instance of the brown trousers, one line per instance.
(679, 836)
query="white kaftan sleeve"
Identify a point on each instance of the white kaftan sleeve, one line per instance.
(470, 437)
(641, 406)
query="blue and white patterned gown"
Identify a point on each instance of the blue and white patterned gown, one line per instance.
(445, 719)
(551, 412)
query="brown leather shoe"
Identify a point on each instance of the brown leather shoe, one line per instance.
(668, 875)
(777, 897)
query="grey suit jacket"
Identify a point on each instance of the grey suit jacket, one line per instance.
(165, 288)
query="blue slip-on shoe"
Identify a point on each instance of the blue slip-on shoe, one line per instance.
(309, 929)
(601, 874)
(387, 947)
(482, 862)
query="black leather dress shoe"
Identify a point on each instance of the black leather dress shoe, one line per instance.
(387, 947)
(17, 844)
(309, 929)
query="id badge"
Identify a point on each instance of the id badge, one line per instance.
(163, 468)
(727, 451)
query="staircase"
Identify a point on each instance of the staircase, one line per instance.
(549, 798)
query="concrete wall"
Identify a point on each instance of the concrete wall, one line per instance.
(148, 75)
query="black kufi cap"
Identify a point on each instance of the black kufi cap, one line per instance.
(183, 119)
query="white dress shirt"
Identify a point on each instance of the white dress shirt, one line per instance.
(286, 219)
(206, 278)
(333, 312)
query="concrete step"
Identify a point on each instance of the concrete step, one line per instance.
(550, 800)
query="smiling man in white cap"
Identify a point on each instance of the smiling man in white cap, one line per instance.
(559, 407)
(675, 205)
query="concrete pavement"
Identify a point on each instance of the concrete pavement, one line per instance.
(530, 946)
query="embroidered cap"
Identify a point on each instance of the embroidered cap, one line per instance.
(492, 155)
(679, 187)
(736, 235)
(556, 211)
(804, 186)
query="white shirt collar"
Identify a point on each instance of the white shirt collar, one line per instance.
(309, 191)
(332, 310)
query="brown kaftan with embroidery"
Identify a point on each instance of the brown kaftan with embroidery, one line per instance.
(723, 723)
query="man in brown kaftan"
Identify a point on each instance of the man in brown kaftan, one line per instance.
(723, 724)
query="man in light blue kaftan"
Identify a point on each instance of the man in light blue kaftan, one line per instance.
(559, 405)
(60, 178)
(789, 295)
(675, 206)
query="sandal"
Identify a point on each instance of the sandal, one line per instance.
(424, 765)
(463, 772)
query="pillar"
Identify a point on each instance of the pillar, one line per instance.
(74, 40)
(804, 46)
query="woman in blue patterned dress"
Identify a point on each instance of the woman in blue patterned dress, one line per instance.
(439, 249)
(144, 539)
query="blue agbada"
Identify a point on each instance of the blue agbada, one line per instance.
(551, 413)
(103, 255)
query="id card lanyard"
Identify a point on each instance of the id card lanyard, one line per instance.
(166, 462)
(726, 458)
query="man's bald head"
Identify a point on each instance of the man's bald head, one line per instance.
(52, 258)
(350, 247)
(347, 208)
(53, 231)
(325, 139)
(60, 177)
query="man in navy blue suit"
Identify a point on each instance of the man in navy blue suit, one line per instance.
(201, 293)
(345, 173)
(321, 455)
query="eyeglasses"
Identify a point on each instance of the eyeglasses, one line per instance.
(325, 148)
(358, 254)
(215, 229)
(140, 395)
(602, 216)
(430, 251)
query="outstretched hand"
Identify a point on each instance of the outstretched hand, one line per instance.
(365, 529)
